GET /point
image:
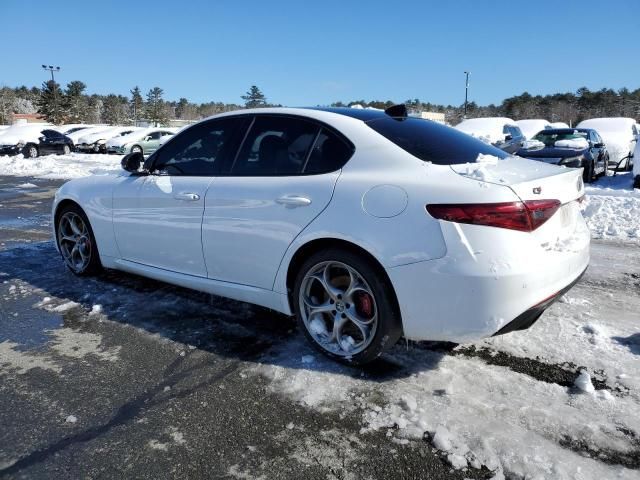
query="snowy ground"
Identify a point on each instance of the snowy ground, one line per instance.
(248, 398)
(64, 167)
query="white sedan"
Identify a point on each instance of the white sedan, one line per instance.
(367, 225)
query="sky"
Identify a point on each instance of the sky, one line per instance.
(315, 53)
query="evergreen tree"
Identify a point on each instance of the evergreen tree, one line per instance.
(155, 109)
(254, 98)
(135, 104)
(181, 108)
(49, 102)
(115, 109)
(75, 102)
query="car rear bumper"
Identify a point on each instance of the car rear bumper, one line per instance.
(483, 285)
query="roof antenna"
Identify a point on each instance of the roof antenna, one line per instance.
(397, 111)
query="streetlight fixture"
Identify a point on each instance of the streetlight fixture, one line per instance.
(466, 93)
(52, 69)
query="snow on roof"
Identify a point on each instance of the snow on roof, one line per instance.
(530, 127)
(488, 128)
(610, 124)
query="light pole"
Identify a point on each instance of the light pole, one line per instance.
(53, 84)
(466, 93)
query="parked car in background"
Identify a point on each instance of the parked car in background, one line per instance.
(349, 219)
(81, 132)
(52, 142)
(3, 128)
(500, 132)
(96, 141)
(570, 147)
(145, 141)
(620, 136)
(531, 127)
(559, 125)
(22, 138)
(71, 128)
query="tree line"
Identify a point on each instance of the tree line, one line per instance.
(72, 104)
(571, 107)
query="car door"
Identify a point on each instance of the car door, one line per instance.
(151, 142)
(157, 218)
(281, 179)
(47, 144)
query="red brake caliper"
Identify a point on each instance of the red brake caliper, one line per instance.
(364, 304)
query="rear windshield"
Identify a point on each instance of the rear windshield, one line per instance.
(433, 142)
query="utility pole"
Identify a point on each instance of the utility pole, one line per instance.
(466, 93)
(55, 93)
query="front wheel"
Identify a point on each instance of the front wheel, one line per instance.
(136, 149)
(66, 150)
(30, 151)
(344, 307)
(587, 174)
(76, 242)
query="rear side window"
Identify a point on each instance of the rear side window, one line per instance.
(275, 146)
(197, 151)
(432, 142)
(329, 153)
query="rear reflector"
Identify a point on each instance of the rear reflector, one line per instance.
(522, 216)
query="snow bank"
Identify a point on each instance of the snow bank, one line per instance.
(69, 166)
(612, 208)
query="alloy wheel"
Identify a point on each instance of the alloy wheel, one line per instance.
(338, 308)
(74, 241)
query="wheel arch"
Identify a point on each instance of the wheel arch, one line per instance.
(307, 249)
(59, 207)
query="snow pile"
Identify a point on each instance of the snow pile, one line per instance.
(612, 208)
(583, 382)
(69, 166)
(574, 143)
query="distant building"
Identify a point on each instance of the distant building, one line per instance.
(433, 116)
(28, 118)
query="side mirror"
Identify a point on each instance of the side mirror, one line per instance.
(42, 139)
(598, 145)
(147, 138)
(132, 161)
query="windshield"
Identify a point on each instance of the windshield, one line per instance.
(433, 142)
(550, 138)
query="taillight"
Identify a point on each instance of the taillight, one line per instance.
(522, 216)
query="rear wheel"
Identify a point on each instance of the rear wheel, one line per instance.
(343, 306)
(76, 241)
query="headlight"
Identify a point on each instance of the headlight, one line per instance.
(572, 162)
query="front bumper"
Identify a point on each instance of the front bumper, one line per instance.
(10, 150)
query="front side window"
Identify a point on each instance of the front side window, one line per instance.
(198, 151)
(275, 146)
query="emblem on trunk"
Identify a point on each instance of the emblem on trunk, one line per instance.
(537, 190)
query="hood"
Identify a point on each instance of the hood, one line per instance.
(551, 152)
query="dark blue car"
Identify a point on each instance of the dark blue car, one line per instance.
(571, 147)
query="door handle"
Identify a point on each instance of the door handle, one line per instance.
(292, 201)
(189, 197)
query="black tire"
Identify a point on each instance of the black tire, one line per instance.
(389, 325)
(606, 166)
(93, 265)
(636, 182)
(137, 148)
(587, 174)
(30, 151)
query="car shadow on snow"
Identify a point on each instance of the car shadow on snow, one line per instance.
(632, 342)
(221, 326)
